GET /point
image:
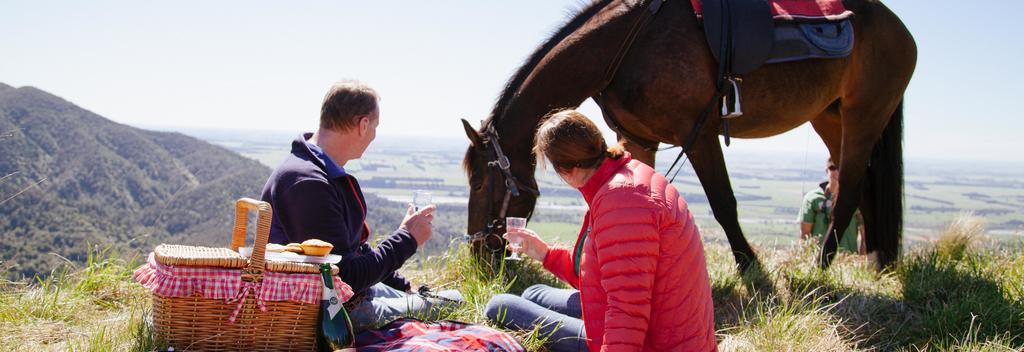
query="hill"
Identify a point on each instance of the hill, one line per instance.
(70, 178)
(73, 178)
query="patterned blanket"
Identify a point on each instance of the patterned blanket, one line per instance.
(408, 335)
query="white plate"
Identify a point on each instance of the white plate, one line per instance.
(293, 257)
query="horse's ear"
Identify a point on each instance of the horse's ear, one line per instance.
(474, 137)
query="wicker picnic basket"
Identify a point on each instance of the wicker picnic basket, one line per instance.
(202, 324)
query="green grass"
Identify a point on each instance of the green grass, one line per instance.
(92, 307)
(962, 293)
(561, 233)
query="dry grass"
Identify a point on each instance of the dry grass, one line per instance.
(93, 307)
(957, 295)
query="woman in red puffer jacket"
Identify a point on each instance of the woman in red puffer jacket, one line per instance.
(638, 262)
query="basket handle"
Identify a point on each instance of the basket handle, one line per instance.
(257, 262)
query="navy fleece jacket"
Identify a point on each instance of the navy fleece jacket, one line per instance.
(312, 197)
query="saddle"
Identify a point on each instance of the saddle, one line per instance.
(745, 34)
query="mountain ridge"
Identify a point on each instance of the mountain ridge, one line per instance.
(107, 184)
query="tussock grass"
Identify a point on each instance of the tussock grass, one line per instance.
(963, 234)
(89, 307)
(779, 324)
(954, 293)
(959, 294)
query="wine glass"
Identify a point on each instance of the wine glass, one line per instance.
(420, 200)
(514, 223)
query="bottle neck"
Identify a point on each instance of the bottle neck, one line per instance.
(325, 272)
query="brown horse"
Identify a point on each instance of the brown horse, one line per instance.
(664, 82)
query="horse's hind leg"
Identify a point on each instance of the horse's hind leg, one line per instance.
(709, 164)
(828, 126)
(880, 69)
(862, 126)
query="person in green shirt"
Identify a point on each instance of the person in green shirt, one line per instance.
(816, 210)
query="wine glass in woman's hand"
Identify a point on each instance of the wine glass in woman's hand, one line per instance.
(513, 224)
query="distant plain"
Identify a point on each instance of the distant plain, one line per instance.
(769, 187)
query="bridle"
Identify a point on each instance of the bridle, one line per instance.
(491, 234)
(498, 162)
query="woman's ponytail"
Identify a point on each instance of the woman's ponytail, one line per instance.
(615, 152)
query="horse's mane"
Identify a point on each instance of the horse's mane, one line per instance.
(576, 20)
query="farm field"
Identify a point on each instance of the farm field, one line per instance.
(769, 188)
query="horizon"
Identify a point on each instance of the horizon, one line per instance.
(255, 65)
(813, 148)
(814, 158)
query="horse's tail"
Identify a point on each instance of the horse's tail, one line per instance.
(884, 191)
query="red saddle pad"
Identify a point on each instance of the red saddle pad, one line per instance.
(789, 10)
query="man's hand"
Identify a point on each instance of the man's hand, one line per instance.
(418, 223)
(805, 230)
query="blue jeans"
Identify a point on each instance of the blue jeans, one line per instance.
(384, 304)
(554, 312)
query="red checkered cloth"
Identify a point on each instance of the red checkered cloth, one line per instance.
(799, 10)
(409, 335)
(227, 284)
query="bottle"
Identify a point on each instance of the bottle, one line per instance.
(335, 330)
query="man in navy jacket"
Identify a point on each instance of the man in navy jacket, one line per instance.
(313, 197)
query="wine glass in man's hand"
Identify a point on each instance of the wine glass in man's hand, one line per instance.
(418, 223)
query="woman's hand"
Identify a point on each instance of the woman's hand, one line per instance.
(529, 242)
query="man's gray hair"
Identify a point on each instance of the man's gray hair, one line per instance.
(345, 102)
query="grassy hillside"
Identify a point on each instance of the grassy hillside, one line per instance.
(962, 293)
(69, 177)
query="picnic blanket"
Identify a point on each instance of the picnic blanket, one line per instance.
(409, 335)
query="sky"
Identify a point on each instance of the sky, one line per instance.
(263, 65)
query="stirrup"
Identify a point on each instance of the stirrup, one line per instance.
(736, 110)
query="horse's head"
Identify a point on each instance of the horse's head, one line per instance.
(501, 184)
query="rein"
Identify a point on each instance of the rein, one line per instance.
(502, 167)
(634, 32)
(722, 86)
(638, 27)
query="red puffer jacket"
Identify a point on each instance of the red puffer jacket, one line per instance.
(642, 276)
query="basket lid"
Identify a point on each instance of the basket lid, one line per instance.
(173, 254)
(169, 254)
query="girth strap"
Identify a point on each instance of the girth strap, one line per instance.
(634, 31)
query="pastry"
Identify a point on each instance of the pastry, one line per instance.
(316, 247)
(274, 247)
(294, 248)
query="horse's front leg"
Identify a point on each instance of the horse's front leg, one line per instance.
(709, 164)
(640, 150)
